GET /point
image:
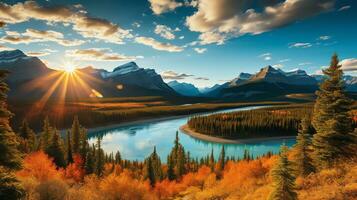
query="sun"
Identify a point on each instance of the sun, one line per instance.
(69, 68)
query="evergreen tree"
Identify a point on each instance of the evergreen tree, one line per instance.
(89, 165)
(99, 161)
(56, 150)
(302, 158)
(117, 158)
(83, 144)
(28, 138)
(178, 158)
(10, 157)
(211, 161)
(153, 168)
(170, 168)
(222, 161)
(331, 120)
(46, 134)
(69, 148)
(76, 135)
(10, 187)
(283, 178)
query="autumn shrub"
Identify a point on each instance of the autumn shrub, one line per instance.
(39, 166)
(54, 189)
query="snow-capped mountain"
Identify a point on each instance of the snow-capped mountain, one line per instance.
(30, 78)
(186, 89)
(242, 77)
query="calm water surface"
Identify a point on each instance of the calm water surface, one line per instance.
(135, 142)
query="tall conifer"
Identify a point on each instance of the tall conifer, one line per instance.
(331, 119)
(10, 157)
(283, 178)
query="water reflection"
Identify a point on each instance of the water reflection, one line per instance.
(135, 142)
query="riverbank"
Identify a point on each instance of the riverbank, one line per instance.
(101, 128)
(186, 129)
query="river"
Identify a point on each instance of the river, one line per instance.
(136, 141)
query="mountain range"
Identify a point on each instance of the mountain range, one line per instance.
(31, 79)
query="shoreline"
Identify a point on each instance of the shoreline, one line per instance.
(185, 129)
(158, 119)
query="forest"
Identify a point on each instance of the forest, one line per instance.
(264, 122)
(321, 165)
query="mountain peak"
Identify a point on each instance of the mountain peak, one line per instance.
(7, 56)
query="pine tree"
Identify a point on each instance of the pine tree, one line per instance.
(69, 148)
(211, 161)
(46, 134)
(28, 138)
(83, 144)
(89, 165)
(55, 150)
(222, 161)
(302, 158)
(117, 158)
(10, 157)
(153, 168)
(331, 120)
(283, 178)
(76, 135)
(99, 162)
(170, 168)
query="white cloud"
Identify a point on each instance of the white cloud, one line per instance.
(162, 6)
(32, 35)
(284, 60)
(266, 56)
(305, 63)
(99, 54)
(232, 18)
(174, 75)
(88, 27)
(200, 50)
(344, 8)
(349, 64)
(37, 54)
(211, 37)
(165, 32)
(148, 41)
(324, 37)
(300, 45)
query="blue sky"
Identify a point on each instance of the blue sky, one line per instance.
(200, 41)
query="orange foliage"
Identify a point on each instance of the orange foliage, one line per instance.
(39, 166)
(75, 171)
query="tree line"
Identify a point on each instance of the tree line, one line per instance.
(266, 122)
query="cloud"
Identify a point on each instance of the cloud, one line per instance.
(162, 6)
(266, 56)
(305, 63)
(37, 54)
(148, 41)
(349, 64)
(284, 60)
(136, 24)
(211, 37)
(98, 54)
(324, 37)
(202, 78)
(200, 50)
(344, 8)
(32, 35)
(174, 75)
(300, 45)
(165, 32)
(232, 18)
(88, 27)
